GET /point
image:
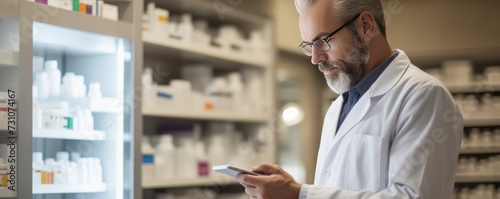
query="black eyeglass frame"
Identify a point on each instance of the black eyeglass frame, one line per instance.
(324, 39)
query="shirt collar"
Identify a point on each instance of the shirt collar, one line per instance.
(365, 84)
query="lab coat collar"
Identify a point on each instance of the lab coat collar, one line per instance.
(390, 77)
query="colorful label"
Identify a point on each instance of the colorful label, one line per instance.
(42, 1)
(76, 5)
(89, 9)
(83, 8)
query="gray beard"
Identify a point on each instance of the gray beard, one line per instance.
(351, 71)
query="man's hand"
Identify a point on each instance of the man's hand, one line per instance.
(278, 184)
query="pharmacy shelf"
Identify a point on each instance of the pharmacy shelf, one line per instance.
(482, 121)
(177, 183)
(207, 115)
(480, 150)
(212, 55)
(8, 58)
(77, 188)
(69, 134)
(477, 178)
(78, 21)
(476, 87)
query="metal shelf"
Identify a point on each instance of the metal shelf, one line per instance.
(176, 183)
(477, 178)
(215, 56)
(480, 150)
(476, 87)
(482, 121)
(76, 188)
(69, 134)
(204, 115)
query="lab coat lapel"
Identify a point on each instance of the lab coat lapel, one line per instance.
(354, 117)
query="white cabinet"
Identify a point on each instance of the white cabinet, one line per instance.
(101, 51)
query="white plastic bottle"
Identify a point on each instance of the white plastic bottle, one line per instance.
(216, 151)
(69, 89)
(43, 85)
(83, 172)
(148, 159)
(54, 77)
(82, 88)
(89, 120)
(201, 159)
(61, 173)
(165, 158)
(49, 169)
(236, 89)
(98, 171)
(38, 168)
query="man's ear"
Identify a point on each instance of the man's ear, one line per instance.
(366, 25)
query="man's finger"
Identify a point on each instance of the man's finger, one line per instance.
(248, 180)
(268, 169)
(251, 191)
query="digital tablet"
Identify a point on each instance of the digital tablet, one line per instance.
(233, 171)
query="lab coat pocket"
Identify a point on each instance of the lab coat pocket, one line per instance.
(364, 162)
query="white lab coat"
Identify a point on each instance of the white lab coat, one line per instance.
(400, 140)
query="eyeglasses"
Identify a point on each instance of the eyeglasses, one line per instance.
(322, 44)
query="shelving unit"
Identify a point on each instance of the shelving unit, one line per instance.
(481, 121)
(179, 183)
(475, 87)
(77, 188)
(477, 178)
(101, 50)
(480, 150)
(69, 134)
(169, 55)
(213, 55)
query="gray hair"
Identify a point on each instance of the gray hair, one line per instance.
(346, 9)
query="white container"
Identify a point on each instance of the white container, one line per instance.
(237, 92)
(83, 172)
(159, 23)
(182, 94)
(54, 78)
(186, 27)
(216, 151)
(186, 161)
(3, 111)
(50, 168)
(69, 89)
(148, 159)
(38, 168)
(82, 89)
(94, 90)
(200, 76)
(220, 95)
(165, 158)
(458, 71)
(61, 172)
(492, 74)
(43, 85)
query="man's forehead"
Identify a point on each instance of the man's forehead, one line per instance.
(317, 19)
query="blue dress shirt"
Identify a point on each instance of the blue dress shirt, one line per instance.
(352, 96)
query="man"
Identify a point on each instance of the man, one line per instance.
(394, 131)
